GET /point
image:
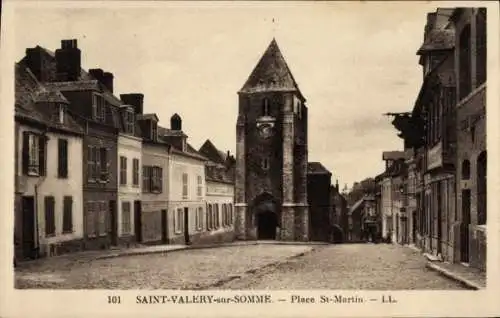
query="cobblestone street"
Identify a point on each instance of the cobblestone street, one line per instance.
(349, 266)
(189, 269)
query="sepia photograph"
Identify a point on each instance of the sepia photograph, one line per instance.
(250, 146)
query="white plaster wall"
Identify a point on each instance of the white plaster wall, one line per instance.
(51, 185)
(131, 148)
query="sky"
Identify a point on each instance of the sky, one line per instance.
(352, 61)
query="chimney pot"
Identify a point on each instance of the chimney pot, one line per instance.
(134, 99)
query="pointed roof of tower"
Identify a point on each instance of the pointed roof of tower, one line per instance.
(271, 73)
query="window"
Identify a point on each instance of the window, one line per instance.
(97, 164)
(465, 170)
(265, 163)
(216, 216)
(179, 221)
(265, 107)
(465, 62)
(209, 217)
(126, 218)
(129, 121)
(200, 185)
(156, 179)
(230, 214)
(98, 108)
(62, 166)
(33, 153)
(67, 214)
(199, 218)
(154, 130)
(58, 113)
(184, 186)
(123, 170)
(135, 172)
(50, 226)
(102, 218)
(224, 215)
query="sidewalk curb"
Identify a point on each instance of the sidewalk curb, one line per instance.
(199, 247)
(444, 272)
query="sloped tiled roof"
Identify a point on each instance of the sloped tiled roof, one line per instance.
(28, 95)
(316, 168)
(209, 150)
(170, 133)
(271, 73)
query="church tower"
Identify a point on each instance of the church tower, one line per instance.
(271, 154)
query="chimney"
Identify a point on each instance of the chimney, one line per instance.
(107, 80)
(97, 73)
(134, 99)
(176, 122)
(34, 62)
(68, 61)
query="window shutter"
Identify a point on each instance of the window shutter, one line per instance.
(63, 158)
(68, 214)
(160, 179)
(42, 142)
(49, 216)
(26, 152)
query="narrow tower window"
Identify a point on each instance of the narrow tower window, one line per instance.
(265, 163)
(265, 107)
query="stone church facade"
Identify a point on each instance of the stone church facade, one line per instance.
(271, 154)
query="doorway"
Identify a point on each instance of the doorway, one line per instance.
(186, 226)
(464, 231)
(439, 218)
(138, 220)
(266, 225)
(414, 227)
(113, 218)
(164, 226)
(28, 227)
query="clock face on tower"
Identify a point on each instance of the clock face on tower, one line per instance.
(265, 130)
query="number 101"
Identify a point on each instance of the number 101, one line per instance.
(114, 299)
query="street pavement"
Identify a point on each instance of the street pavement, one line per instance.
(186, 269)
(267, 266)
(349, 266)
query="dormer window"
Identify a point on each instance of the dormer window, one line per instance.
(154, 130)
(129, 121)
(59, 113)
(265, 107)
(98, 107)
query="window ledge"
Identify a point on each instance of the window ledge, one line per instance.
(50, 235)
(67, 232)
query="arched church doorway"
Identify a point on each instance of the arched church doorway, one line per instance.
(265, 210)
(267, 223)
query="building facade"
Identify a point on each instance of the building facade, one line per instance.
(271, 154)
(471, 187)
(219, 180)
(129, 167)
(93, 105)
(48, 175)
(151, 216)
(187, 189)
(318, 195)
